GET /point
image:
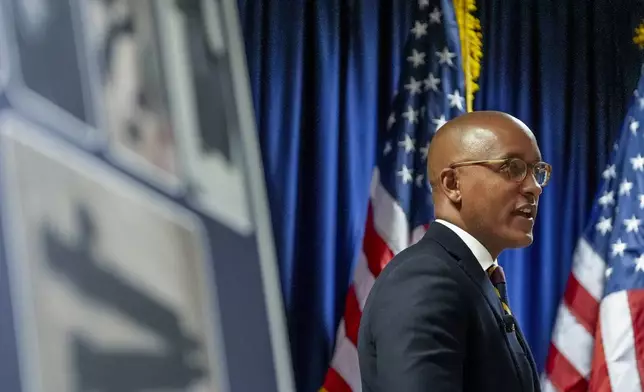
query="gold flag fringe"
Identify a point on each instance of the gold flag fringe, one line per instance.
(638, 39)
(471, 37)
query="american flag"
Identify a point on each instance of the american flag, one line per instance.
(597, 343)
(430, 92)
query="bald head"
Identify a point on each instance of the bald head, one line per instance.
(471, 136)
(488, 197)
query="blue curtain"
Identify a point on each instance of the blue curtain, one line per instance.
(323, 74)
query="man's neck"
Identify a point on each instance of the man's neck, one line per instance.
(480, 252)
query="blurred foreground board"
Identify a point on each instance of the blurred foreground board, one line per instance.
(136, 249)
(110, 279)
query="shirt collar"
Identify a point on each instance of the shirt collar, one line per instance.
(482, 255)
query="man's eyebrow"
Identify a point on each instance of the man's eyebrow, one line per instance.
(509, 155)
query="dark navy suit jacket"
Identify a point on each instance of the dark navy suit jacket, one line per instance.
(433, 322)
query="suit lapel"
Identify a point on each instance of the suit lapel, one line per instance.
(528, 354)
(453, 244)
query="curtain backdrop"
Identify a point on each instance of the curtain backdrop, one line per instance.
(323, 74)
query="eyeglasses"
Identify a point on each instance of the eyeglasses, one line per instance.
(516, 169)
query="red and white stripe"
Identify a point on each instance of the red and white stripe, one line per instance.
(386, 233)
(595, 342)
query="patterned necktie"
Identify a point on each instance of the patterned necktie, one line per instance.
(497, 276)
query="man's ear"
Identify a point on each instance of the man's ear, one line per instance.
(450, 185)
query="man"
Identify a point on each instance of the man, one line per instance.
(434, 320)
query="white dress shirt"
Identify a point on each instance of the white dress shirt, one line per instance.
(482, 255)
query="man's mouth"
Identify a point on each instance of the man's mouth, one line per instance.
(527, 211)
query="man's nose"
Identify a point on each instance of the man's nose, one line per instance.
(531, 186)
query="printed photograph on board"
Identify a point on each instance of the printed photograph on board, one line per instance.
(112, 283)
(203, 96)
(49, 72)
(122, 41)
(210, 76)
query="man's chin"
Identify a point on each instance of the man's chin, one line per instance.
(522, 239)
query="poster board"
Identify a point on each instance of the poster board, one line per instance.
(128, 247)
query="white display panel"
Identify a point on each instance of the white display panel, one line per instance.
(113, 283)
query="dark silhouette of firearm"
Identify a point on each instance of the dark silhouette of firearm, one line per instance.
(129, 371)
(123, 371)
